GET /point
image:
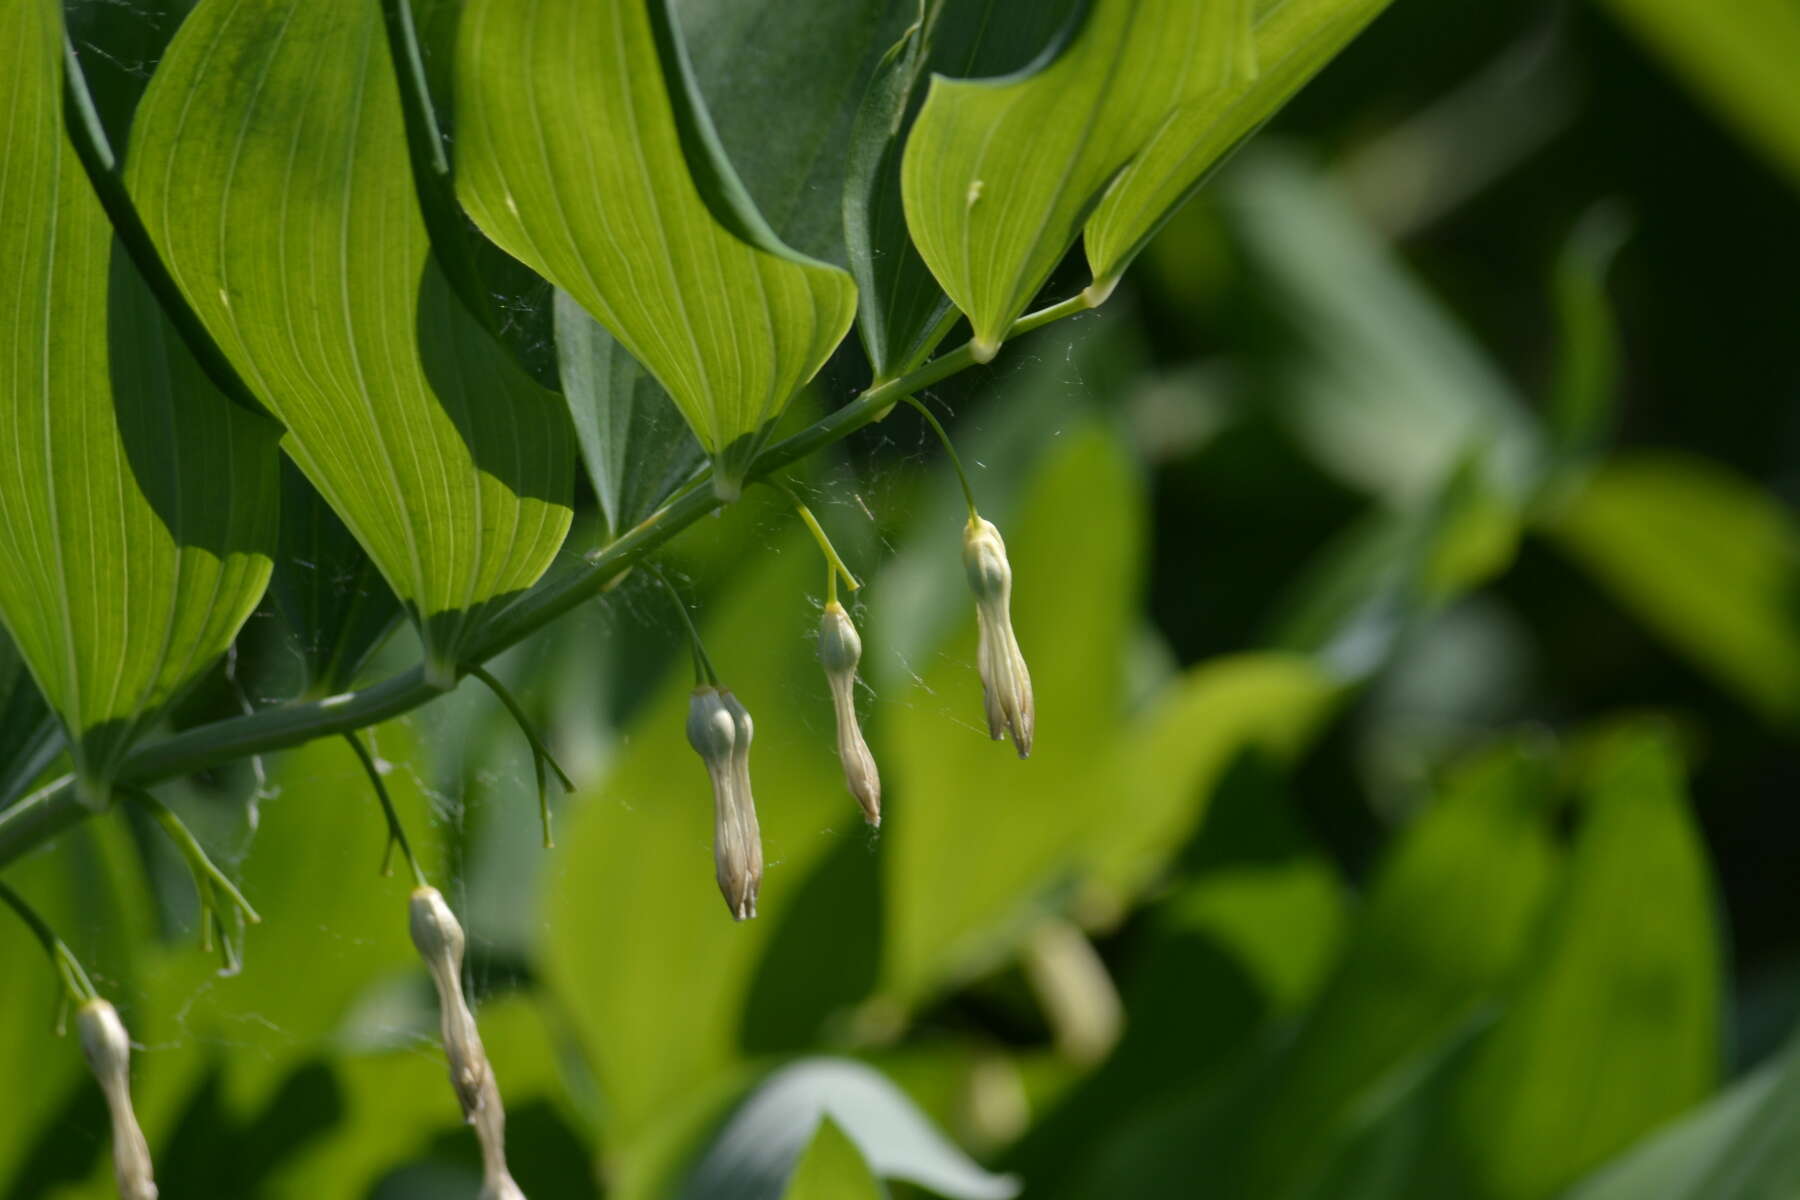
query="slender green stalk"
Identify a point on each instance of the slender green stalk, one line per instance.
(833, 561)
(540, 752)
(703, 668)
(217, 893)
(76, 984)
(37, 819)
(962, 476)
(396, 834)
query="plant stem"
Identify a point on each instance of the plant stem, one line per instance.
(962, 476)
(540, 752)
(703, 668)
(834, 563)
(74, 980)
(40, 817)
(396, 834)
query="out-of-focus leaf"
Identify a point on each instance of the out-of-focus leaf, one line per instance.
(1739, 55)
(633, 442)
(633, 872)
(902, 311)
(1738, 1146)
(137, 509)
(29, 736)
(281, 120)
(1292, 40)
(1380, 383)
(957, 872)
(1615, 1028)
(337, 606)
(1704, 558)
(1582, 396)
(998, 175)
(832, 1169)
(1447, 924)
(586, 153)
(758, 1149)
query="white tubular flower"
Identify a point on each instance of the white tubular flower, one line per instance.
(108, 1052)
(839, 651)
(440, 942)
(1005, 680)
(720, 730)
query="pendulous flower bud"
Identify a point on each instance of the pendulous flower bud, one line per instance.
(1005, 680)
(108, 1051)
(439, 939)
(839, 651)
(720, 730)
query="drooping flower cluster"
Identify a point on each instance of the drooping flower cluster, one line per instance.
(108, 1051)
(440, 942)
(719, 729)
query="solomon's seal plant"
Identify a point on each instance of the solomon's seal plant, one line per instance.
(284, 265)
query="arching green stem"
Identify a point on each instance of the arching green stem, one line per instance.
(396, 834)
(218, 894)
(834, 563)
(962, 476)
(540, 752)
(703, 668)
(74, 980)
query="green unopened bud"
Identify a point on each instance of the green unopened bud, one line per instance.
(108, 1051)
(720, 730)
(1005, 680)
(839, 651)
(438, 936)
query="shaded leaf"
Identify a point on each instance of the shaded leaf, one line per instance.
(1615, 1028)
(633, 442)
(1290, 42)
(29, 735)
(766, 1138)
(1583, 396)
(1738, 1146)
(338, 608)
(1706, 559)
(586, 154)
(998, 175)
(281, 121)
(137, 509)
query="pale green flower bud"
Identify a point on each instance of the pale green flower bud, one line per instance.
(839, 651)
(108, 1051)
(1005, 680)
(720, 730)
(439, 939)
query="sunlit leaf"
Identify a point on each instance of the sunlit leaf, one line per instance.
(1705, 559)
(586, 154)
(765, 1142)
(280, 120)
(1292, 40)
(998, 175)
(1739, 55)
(832, 1169)
(1615, 1028)
(1738, 1146)
(137, 509)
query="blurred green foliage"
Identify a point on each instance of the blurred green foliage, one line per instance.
(1409, 575)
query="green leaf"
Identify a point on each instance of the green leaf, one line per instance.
(137, 509)
(764, 1146)
(1292, 40)
(281, 121)
(1738, 55)
(1615, 1027)
(586, 154)
(337, 607)
(1738, 1146)
(832, 1169)
(1447, 924)
(1583, 395)
(1707, 560)
(902, 312)
(636, 449)
(29, 735)
(998, 175)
